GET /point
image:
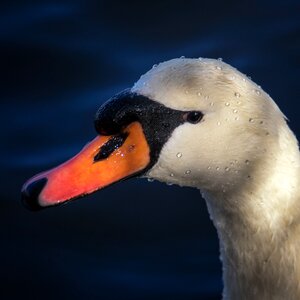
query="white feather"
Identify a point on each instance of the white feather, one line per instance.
(245, 160)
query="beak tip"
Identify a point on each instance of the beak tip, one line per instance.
(30, 194)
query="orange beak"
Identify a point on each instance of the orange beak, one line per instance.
(105, 160)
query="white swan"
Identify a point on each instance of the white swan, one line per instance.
(232, 142)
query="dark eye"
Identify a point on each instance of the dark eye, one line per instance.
(193, 117)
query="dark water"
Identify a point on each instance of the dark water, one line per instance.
(60, 61)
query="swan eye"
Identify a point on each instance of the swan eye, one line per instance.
(193, 117)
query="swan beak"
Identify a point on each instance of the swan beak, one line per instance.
(102, 162)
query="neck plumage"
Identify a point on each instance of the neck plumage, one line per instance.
(258, 226)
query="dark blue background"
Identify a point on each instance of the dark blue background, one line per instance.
(59, 62)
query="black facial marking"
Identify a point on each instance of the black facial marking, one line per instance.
(110, 146)
(157, 120)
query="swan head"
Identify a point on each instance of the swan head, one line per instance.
(240, 123)
(192, 122)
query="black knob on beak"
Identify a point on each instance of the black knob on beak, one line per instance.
(118, 112)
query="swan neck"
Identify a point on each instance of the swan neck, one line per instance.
(258, 225)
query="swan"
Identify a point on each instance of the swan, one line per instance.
(201, 123)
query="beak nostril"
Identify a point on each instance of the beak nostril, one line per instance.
(31, 192)
(110, 146)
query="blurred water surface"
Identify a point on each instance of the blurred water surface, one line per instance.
(60, 61)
